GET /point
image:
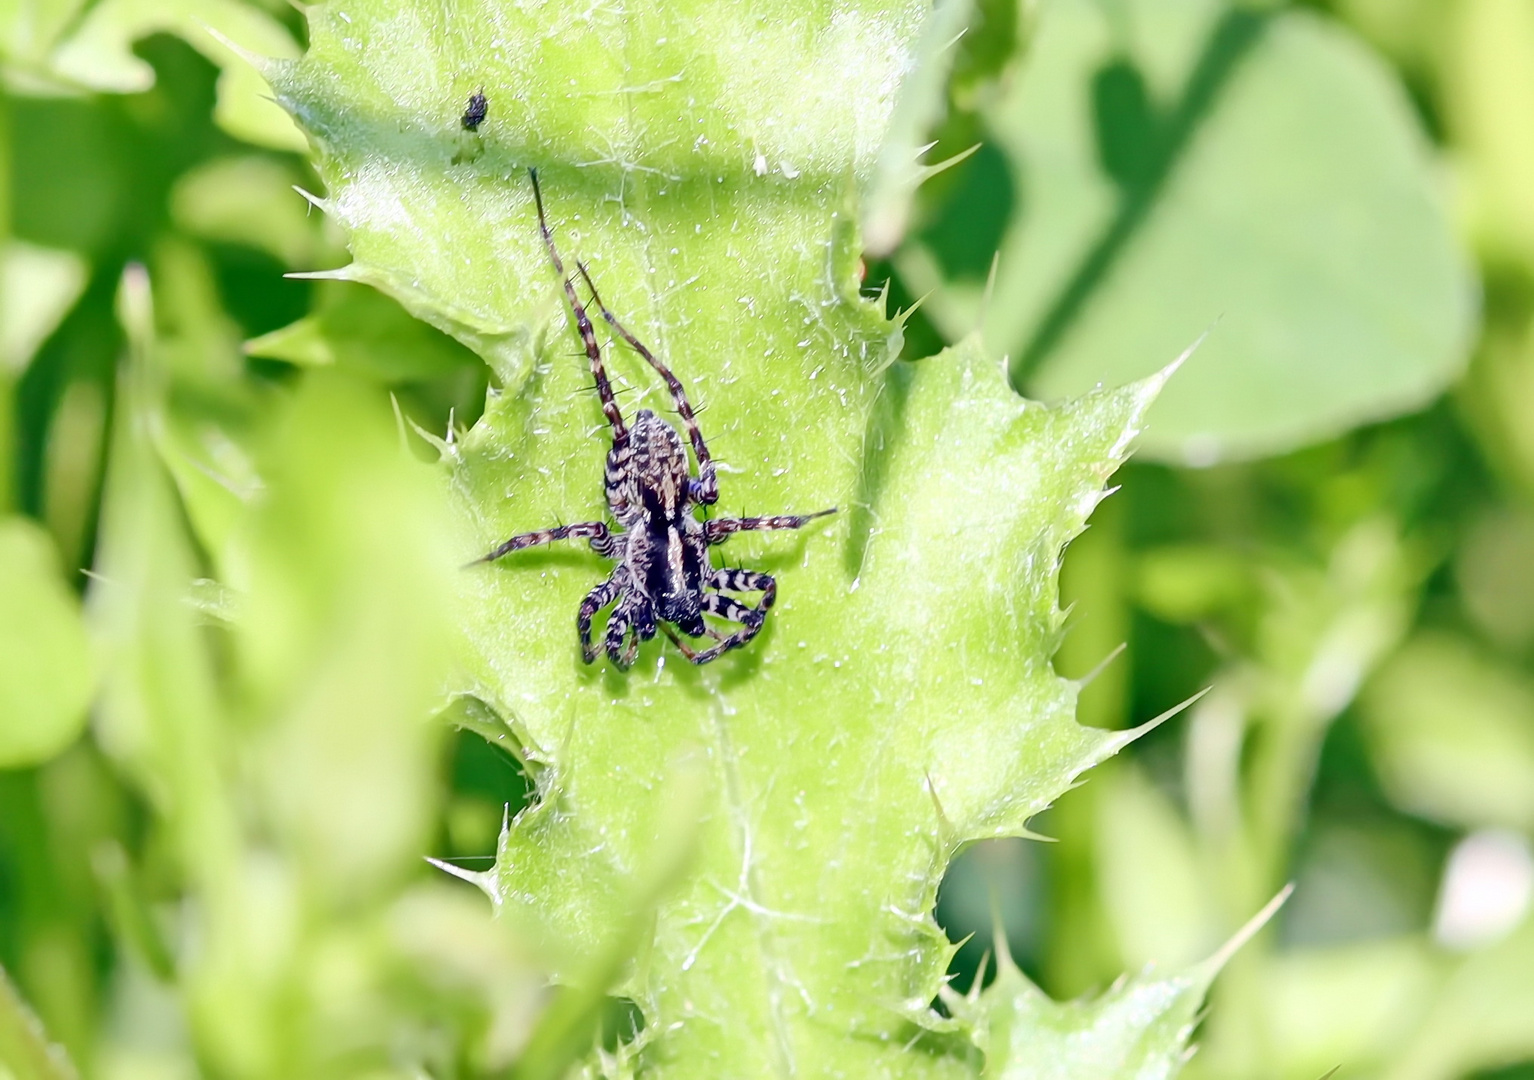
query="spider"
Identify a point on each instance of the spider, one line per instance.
(663, 577)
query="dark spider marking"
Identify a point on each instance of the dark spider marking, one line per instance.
(663, 574)
(474, 112)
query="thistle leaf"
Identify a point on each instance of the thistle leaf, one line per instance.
(707, 168)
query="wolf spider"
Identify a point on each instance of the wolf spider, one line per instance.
(663, 577)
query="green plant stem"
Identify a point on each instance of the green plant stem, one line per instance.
(1279, 780)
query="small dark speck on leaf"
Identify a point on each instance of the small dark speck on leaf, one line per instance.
(474, 112)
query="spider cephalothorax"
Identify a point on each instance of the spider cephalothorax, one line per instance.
(663, 578)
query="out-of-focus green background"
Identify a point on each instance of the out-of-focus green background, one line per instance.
(1362, 605)
(1342, 194)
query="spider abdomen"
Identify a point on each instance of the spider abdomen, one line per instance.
(658, 474)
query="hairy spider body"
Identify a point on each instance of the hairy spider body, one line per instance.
(664, 578)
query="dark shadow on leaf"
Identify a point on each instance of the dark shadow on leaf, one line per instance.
(1140, 154)
(1127, 127)
(947, 1046)
(969, 227)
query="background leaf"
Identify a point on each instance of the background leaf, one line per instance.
(1454, 735)
(98, 54)
(1178, 165)
(45, 683)
(37, 289)
(360, 330)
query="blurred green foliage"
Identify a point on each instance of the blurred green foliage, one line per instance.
(229, 603)
(1158, 167)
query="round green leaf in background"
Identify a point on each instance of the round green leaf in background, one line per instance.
(1188, 164)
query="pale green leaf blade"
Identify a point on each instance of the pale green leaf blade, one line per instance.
(1346, 1003)
(28, 31)
(38, 286)
(1146, 858)
(46, 680)
(236, 36)
(25, 1050)
(1488, 60)
(159, 713)
(248, 200)
(359, 330)
(348, 578)
(1480, 1022)
(288, 752)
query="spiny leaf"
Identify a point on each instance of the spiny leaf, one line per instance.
(1137, 1030)
(901, 704)
(706, 166)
